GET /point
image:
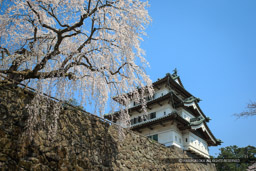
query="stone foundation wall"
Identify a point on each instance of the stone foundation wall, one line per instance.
(82, 142)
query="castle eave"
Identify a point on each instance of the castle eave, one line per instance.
(172, 116)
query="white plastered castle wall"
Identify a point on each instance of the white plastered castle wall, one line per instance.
(167, 135)
(196, 143)
(185, 114)
(160, 110)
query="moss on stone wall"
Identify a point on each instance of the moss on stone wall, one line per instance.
(82, 142)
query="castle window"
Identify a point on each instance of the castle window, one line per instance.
(155, 137)
(145, 117)
(132, 121)
(176, 138)
(186, 139)
(164, 113)
(139, 119)
(148, 98)
(152, 115)
(179, 140)
(135, 120)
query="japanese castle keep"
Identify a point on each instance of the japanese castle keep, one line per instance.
(174, 118)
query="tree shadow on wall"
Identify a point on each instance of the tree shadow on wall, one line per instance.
(91, 140)
(82, 141)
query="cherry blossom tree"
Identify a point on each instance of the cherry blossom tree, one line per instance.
(251, 110)
(67, 48)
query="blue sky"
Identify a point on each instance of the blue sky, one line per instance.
(213, 46)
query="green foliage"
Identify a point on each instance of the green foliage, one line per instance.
(245, 154)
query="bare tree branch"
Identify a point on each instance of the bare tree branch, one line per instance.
(39, 18)
(251, 110)
(51, 13)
